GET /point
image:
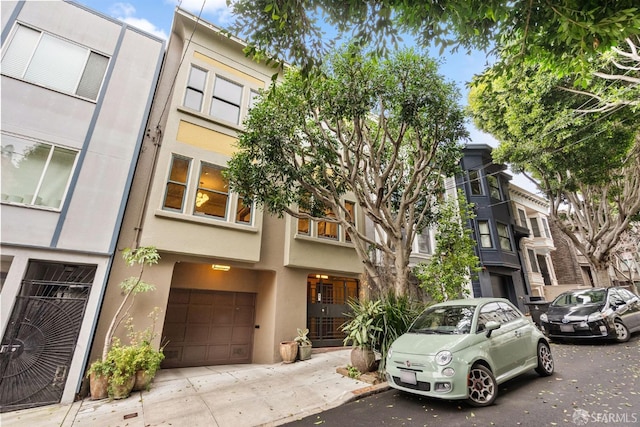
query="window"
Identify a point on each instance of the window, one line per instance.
(177, 183)
(328, 229)
(503, 237)
(52, 62)
(424, 242)
(243, 211)
(508, 312)
(494, 187)
(213, 194)
(35, 173)
(475, 183)
(533, 261)
(253, 98)
(545, 224)
(195, 89)
(351, 217)
(227, 97)
(485, 234)
(523, 217)
(535, 227)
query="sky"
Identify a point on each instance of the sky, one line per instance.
(156, 16)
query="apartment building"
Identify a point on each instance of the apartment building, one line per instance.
(232, 281)
(531, 213)
(498, 236)
(76, 93)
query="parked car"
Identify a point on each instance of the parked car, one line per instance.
(612, 313)
(463, 349)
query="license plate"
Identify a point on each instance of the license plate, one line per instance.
(566, 328)
(408, 377)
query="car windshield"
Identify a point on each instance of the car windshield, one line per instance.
(581, 297)
(455, 319)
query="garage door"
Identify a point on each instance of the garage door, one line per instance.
(208, 328)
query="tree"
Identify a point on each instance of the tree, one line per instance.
(588, 165)
(383, 133)
(454, 261)
(561, 34)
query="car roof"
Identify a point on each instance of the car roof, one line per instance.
(470, 301)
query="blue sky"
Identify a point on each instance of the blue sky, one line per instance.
(156, 16)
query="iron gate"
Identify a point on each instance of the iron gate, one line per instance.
(38, 345)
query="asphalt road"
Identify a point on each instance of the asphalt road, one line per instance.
(595, 383)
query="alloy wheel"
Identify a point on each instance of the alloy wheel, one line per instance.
(482, 386)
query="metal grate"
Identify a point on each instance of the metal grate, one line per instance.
(38, 345)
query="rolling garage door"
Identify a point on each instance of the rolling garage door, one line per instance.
(208, 328)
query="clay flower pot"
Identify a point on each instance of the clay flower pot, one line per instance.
(288, 351)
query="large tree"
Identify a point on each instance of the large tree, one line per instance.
(588, 165)
(561, 34)
(383, 132)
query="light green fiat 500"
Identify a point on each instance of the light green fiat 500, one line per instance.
(463, 349)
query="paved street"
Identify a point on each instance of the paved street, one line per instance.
(595, 383)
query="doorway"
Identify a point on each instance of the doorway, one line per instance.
(327, 298)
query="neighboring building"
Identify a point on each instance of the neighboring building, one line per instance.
(76, 91)
(532, 213)
(486, 185)
(232, 282)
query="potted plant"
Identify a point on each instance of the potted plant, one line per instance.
(99, 374)
(288, 351)
(146, 362)
(362, 332)
(143, 256)
(304, 344)
(123, 369)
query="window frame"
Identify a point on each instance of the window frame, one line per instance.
(477, 179)
(37, 51)
(482, 234)
(199, 187)
(191, 87)
(185, 185)
(218, 97)
(504, 238)
(494, 187)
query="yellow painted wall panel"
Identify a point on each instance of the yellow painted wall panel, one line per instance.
(205, 138)
(228, 69)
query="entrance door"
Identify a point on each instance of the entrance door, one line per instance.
(208, 328)
(326, 304)
(42, 333)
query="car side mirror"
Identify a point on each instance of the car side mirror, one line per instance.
(491, 326)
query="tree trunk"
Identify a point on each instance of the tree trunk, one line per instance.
(602, 278)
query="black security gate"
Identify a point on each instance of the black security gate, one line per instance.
(326, 307)
(38, 345)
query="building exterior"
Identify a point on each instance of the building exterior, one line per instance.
(232, 281)
(532, 214)
(76, 93)
(486, 185)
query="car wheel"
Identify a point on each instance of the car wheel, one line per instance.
(482, 386)
(622, 333)
(545, 360)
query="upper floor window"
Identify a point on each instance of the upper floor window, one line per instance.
(213, 192)
(195, 88)
(535, 227)
(485, 234)
(494, 187)
(327, 229)
(55, 63)
(424, 242)
(177, 183)
(533, 261)
(503, 236)
(351, 217)
(253, 98)
(475, 183)
(523, 217)
(545, 224)
(35, 173)
(226, 101)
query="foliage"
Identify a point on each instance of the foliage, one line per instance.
(100, 368)
(397, 314)
(562, 35)
(147, 358)
(353, 372)
(381, 133)
(362, 329)
(122, 361)
(302, 338)
(454, 261)
(588, 166)
(143, 257)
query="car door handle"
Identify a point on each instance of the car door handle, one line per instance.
(518, 333)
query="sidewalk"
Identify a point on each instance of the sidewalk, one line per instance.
(215, 396)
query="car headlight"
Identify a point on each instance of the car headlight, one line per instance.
(389, 353)
(544, 318)
(595, 316)
(443, 357)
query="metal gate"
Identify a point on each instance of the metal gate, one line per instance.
(38, 345)
(326, 307)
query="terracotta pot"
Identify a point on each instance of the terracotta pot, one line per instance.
(122, 391)
(98, 386)
(363, 359)
(143, 380)
(288, 351)
(304, 351)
